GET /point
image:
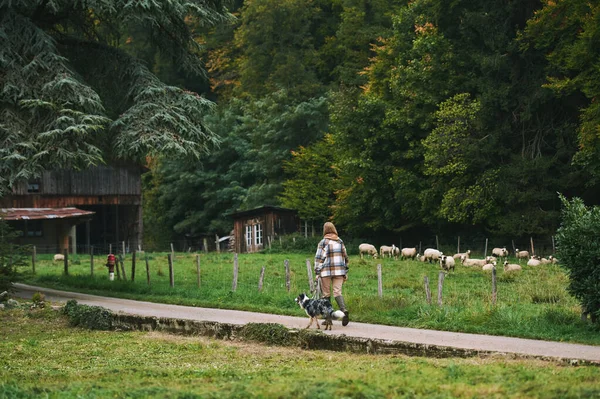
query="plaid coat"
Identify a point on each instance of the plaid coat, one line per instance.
(331, 258)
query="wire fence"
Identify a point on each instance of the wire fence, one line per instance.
(542, 246)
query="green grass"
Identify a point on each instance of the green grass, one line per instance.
(532, 304)
(43, 357)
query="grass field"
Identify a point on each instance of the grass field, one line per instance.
(43, 357)
(532, 304)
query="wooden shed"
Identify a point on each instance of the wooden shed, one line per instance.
(255, 228)
(112, 195)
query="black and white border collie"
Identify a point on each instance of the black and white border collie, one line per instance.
(318, 307)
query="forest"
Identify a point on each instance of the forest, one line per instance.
(389, 118)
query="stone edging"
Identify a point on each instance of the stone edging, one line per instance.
(315, 340)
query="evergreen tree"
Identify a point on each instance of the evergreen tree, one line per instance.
(72, 97)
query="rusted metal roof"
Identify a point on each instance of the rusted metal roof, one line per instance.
(42, 213)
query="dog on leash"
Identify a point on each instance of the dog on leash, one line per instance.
(318, 307)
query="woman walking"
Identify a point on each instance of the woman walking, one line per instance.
(331, 266)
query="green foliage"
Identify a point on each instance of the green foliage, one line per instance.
(277, 47)
(11, 255)
(461, 117)
(311, 182)
(567, 32)
(91, 317)
(245, 171)
(578, 248)
(71, 97)
(39, 300)
(294, 243)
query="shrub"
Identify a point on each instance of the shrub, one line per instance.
(39, 300)
(92, 317)
(294, 243)
(11, 255)
(578, 248)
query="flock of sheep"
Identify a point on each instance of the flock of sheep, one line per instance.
(448, 262)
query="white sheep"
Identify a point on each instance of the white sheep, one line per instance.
(554, 260)
(521, 254)
(460, 255)
(396, 252)
(546, 261)
(469, 262)
(491, 259)
(386, 250)
(534, 261)
(421, 258)
(367, 249)
(432, 254)
(59, 257)
(488, 267)
(511, 267)
(447, 262)
(408, 253)
(500, 252)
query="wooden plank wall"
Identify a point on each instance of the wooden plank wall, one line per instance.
(100, 180)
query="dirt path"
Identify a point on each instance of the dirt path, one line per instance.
(477, 342)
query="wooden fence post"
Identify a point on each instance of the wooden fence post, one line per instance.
(92, 261)
(217, 243)
(287, 274)
(427, 290)
(235, 272)
(171, 271)
(532, 250)
(261, 278)
(437, 243)
(172, 253)
(458, 246)
(198, 268)
(514, 248)
(205, 245)
(66, 254)
(553, 247)
(123, 244)
(311, 283)
(494, 286)
(133, 265)
(118, 268)
(122, 261)
(147, 268)
(485, 251)
(379, 281)
(421, 253)
(33, 259)
(440, 286)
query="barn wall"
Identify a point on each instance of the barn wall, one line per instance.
(96, 181)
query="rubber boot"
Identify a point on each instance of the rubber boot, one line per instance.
(342, 305)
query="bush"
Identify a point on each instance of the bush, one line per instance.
(295, 243)
(92, 317)
(578, 248)
(11, 256)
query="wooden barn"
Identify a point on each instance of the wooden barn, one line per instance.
(111, 194)
(252, 229)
